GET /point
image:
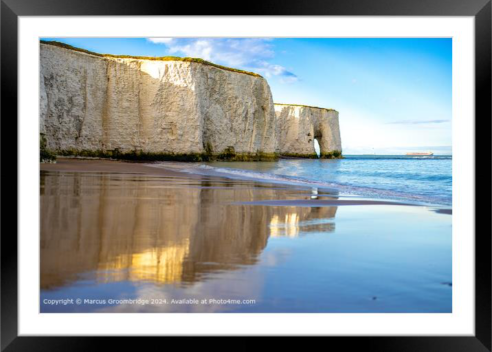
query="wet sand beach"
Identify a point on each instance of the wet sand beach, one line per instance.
(110, 166)
(132, 237)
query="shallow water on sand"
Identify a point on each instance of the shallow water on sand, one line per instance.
(176, 244)
(423, 179)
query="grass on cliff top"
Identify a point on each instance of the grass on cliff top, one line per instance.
(305, 106)
(154, 58)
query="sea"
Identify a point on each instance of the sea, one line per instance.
(424, 180)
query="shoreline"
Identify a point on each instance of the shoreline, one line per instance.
(79, 165)
(121, 230)
(106, 165)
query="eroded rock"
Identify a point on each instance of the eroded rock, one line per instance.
(103, 105)
(170, 109)
(299, 125)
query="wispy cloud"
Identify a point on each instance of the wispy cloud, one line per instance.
(253, 54)
(267, 69)
(417, 122)
(161, 40)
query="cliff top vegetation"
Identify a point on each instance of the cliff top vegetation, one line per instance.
(305, 106)
(153, 58)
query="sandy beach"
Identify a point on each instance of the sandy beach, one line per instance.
(113, 230)
(101, 165)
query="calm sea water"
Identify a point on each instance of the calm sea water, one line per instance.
(418, 179)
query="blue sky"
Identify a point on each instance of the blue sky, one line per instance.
(393, 94)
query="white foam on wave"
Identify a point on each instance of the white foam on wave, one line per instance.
(207, 170)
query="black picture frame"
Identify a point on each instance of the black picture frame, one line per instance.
(479, 9)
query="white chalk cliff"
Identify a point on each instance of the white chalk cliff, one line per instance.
(94, 104)
(298, 126)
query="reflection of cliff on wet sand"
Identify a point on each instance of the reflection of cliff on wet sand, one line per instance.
(123, 227)
(289, 221)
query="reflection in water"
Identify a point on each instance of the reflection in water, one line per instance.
(133, 236)
(164, 230)
(159, 265)
(292, 221)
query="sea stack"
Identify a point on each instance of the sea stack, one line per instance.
(299, 125)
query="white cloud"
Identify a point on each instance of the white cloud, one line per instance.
(252, 54)
(161, 40)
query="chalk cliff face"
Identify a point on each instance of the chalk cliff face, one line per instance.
(298, 126)
(98, 104)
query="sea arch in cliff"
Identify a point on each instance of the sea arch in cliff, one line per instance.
(299, 125)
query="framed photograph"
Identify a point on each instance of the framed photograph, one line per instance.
(296, 169)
